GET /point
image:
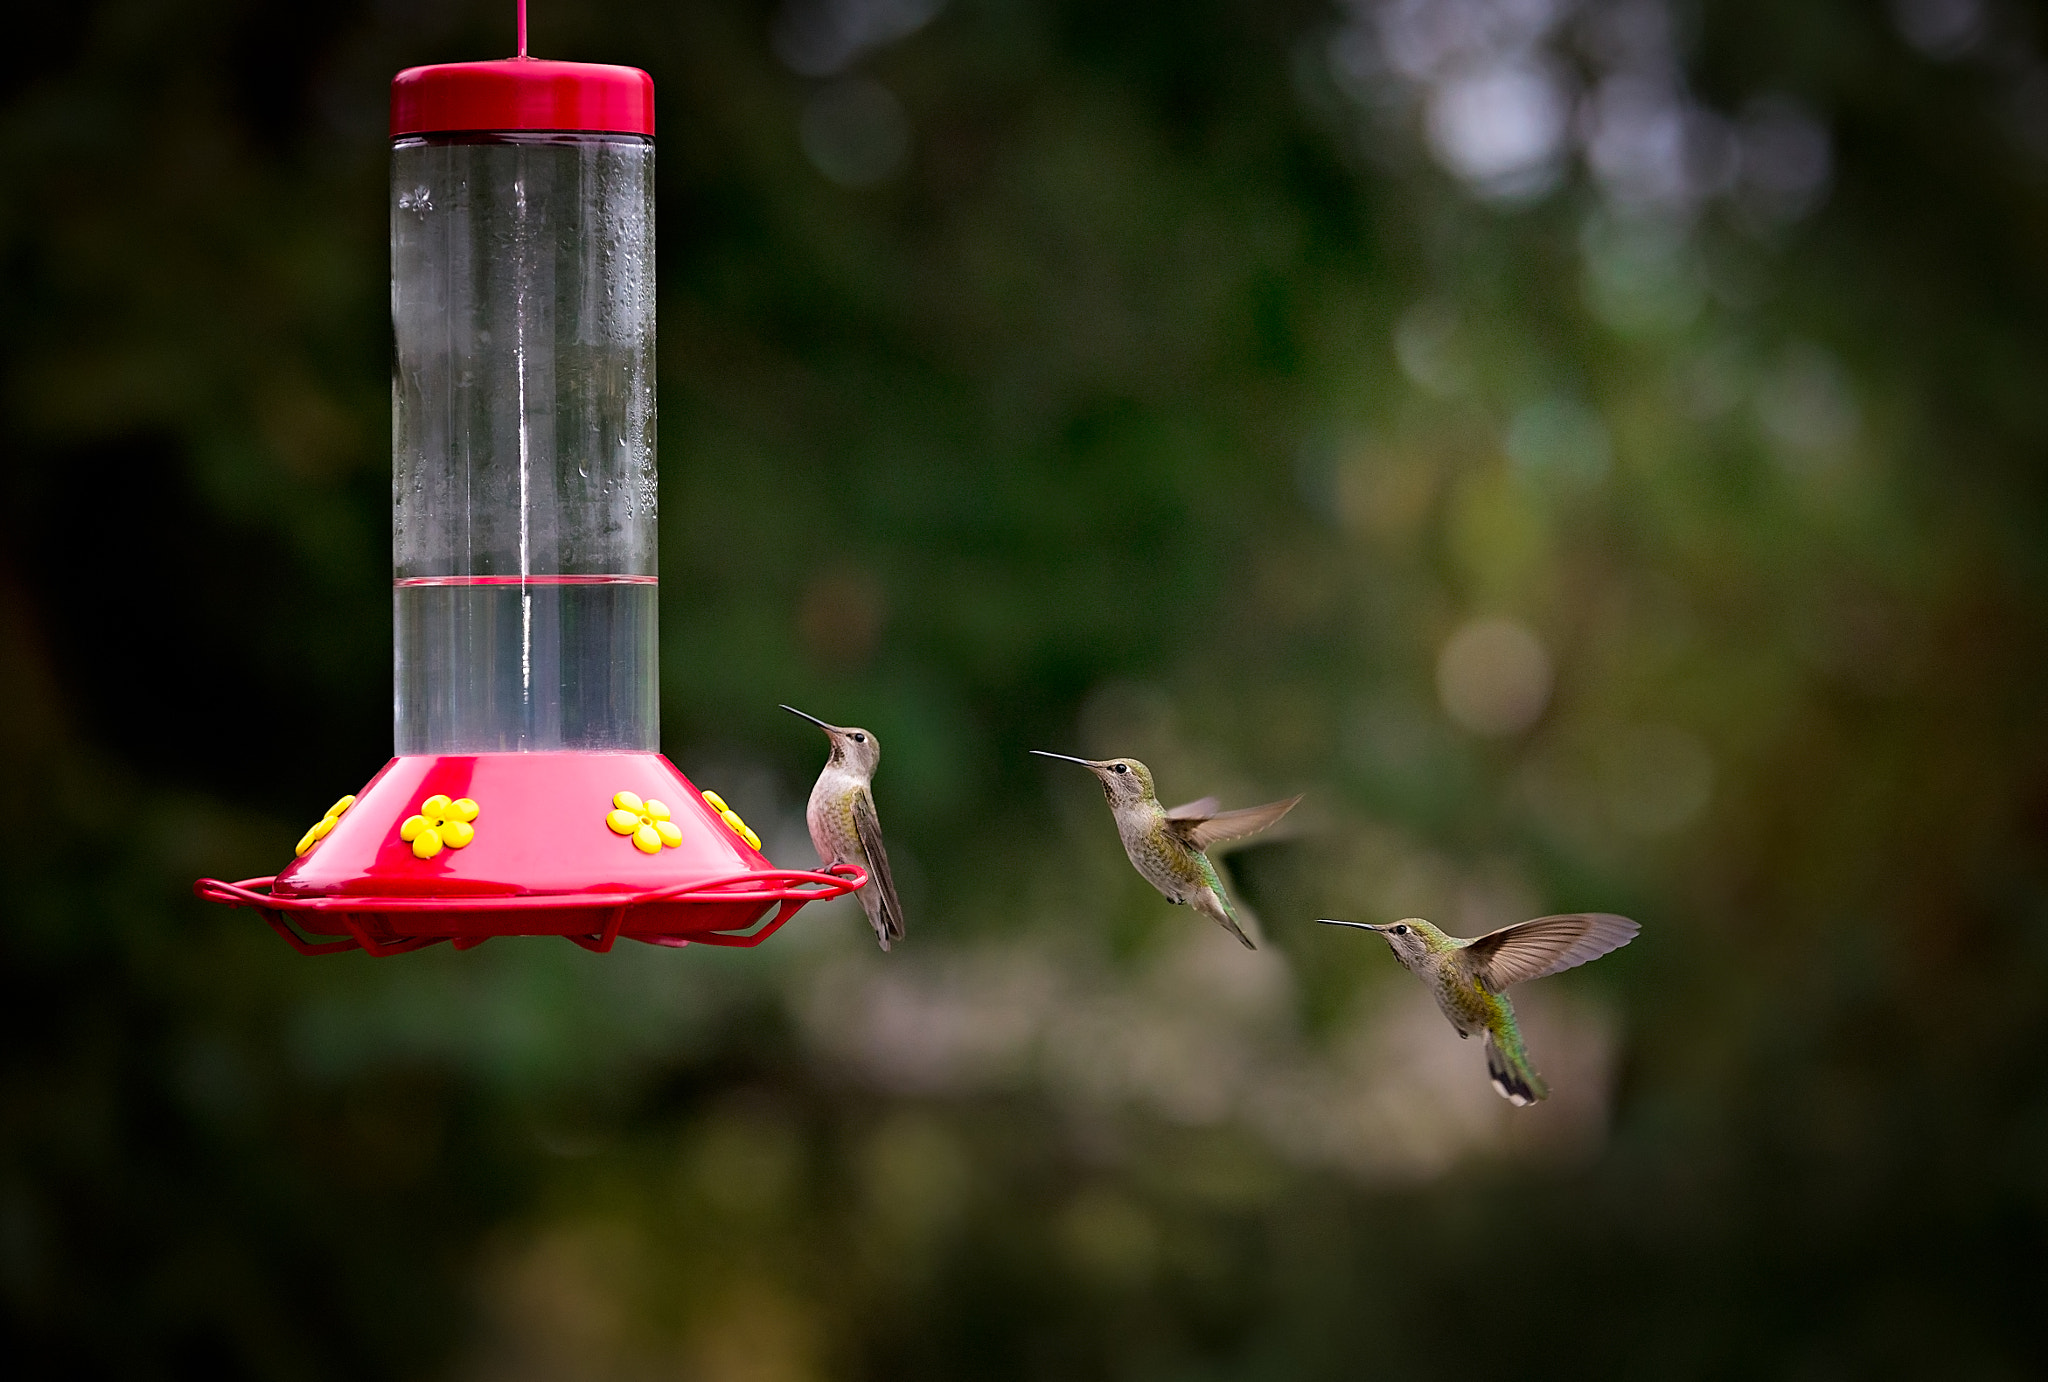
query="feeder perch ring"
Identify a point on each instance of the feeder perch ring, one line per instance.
(394, 925)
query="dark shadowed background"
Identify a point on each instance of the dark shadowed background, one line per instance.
(1597, 450)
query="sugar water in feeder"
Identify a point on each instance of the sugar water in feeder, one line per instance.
(528, 794)
(523, 487)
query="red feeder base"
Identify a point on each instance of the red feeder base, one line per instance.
(540, 861)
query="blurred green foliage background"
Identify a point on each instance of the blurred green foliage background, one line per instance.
(1595, 449)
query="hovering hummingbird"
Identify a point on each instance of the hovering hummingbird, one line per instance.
(1166, 847)
(844, 826)
(1468, 976)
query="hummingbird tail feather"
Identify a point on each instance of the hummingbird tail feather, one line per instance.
(1507, 1062)
(887, 928)
(1213, 902)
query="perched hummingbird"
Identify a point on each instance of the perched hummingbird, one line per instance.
(1166, 847)
(1468, 976)
(844, 826)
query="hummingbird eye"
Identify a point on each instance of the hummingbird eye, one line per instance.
(860, 738)
(1400, 930)
(1120, 767)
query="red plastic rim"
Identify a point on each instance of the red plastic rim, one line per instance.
(365, 918)
(522, 94)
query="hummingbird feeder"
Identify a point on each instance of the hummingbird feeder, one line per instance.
(528, 794)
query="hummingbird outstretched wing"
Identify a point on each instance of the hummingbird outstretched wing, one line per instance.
(1531, 949)
(867, 827)
(1194, 810)
(1202, 831)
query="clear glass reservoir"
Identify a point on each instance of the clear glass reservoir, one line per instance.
(522, 429)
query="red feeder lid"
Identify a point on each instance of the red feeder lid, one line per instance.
(522, 93)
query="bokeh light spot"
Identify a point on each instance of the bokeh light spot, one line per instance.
(1805, 403)
(1426, 343)
(1494, 676)
(1941, 29)
(1500, 128)
(1787, 160)
(1558, 440)
(856, 133)
(821, 37)
(1642, 276)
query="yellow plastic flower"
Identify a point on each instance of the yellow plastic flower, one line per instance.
(647, 822)
(732, 819)
(440, 822)
(324, 824)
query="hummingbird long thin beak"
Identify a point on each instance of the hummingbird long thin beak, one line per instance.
(829, 729)
(1067, 758)
(1361, 925)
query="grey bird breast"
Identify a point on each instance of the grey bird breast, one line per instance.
(830, 817)
(1160, 859)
